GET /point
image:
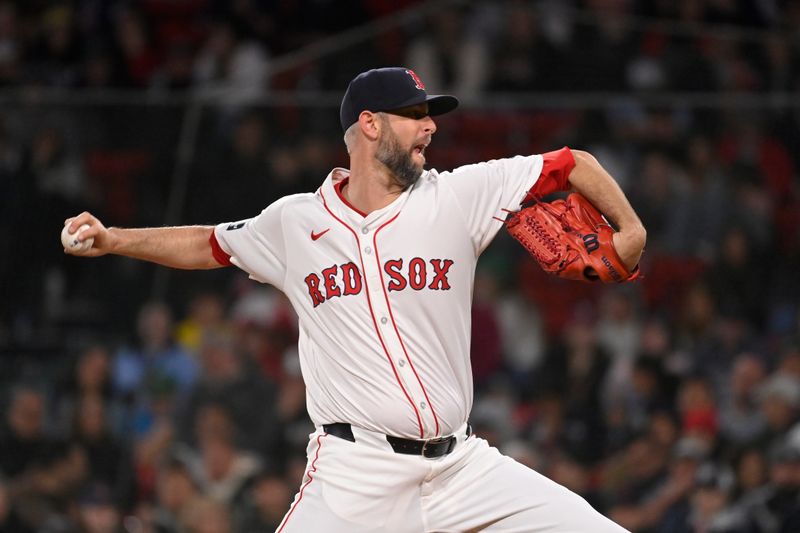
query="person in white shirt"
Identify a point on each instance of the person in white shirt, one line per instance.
(379, 265)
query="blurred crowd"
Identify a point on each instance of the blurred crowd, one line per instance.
(142, 403)
(164, 44)
(469, 47)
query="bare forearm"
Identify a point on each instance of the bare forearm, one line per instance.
(591, 180)
(185, 247)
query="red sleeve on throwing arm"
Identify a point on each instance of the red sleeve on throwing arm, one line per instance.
(555, 170)
(217, 251)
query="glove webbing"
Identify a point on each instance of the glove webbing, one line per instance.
(548, 252)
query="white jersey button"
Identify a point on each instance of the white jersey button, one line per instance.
(423, 405)
(383, 320)
(367, 250)
(364, 230)
(402, 362)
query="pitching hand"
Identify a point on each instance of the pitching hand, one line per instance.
(102, 237)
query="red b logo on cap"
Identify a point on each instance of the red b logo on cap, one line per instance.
(417, 82)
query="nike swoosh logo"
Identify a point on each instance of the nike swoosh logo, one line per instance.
(315, 236)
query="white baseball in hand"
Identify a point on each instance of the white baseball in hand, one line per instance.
(71, 242)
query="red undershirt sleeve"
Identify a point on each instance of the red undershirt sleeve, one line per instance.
(556, 167)
(216, 250)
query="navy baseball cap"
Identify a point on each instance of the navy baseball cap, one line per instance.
(385, 89)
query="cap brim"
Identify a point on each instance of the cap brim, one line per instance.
(439, 104)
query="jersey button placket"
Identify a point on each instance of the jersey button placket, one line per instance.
(389, 328)
(385, 330)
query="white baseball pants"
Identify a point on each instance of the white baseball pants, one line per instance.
(365, 487)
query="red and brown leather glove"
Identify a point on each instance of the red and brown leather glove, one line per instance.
(570, 239)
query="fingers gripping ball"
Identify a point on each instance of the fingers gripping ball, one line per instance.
(72, 242)
(570, 239)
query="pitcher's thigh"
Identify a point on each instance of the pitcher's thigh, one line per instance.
(348, 488)
(491, 492)
(310, 512)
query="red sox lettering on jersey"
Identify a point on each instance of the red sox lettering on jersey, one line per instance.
(384, 314)
(345, 280)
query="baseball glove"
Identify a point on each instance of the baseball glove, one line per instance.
(570, 239)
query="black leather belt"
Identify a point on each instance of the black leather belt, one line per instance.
(430, 448)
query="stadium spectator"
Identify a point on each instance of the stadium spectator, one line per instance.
(227, 381)
(175, 493)
(110, 469)
(24, 441)
(154, 369)
(267, 501)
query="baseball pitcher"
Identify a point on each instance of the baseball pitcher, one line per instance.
(379, 264)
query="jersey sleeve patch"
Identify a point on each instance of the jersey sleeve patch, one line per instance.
(556, 167)
(216, 250)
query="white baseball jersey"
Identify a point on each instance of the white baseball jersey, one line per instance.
(384, 299)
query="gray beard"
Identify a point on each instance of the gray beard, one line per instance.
(398, 161)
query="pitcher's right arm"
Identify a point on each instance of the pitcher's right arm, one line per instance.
(184, 247)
